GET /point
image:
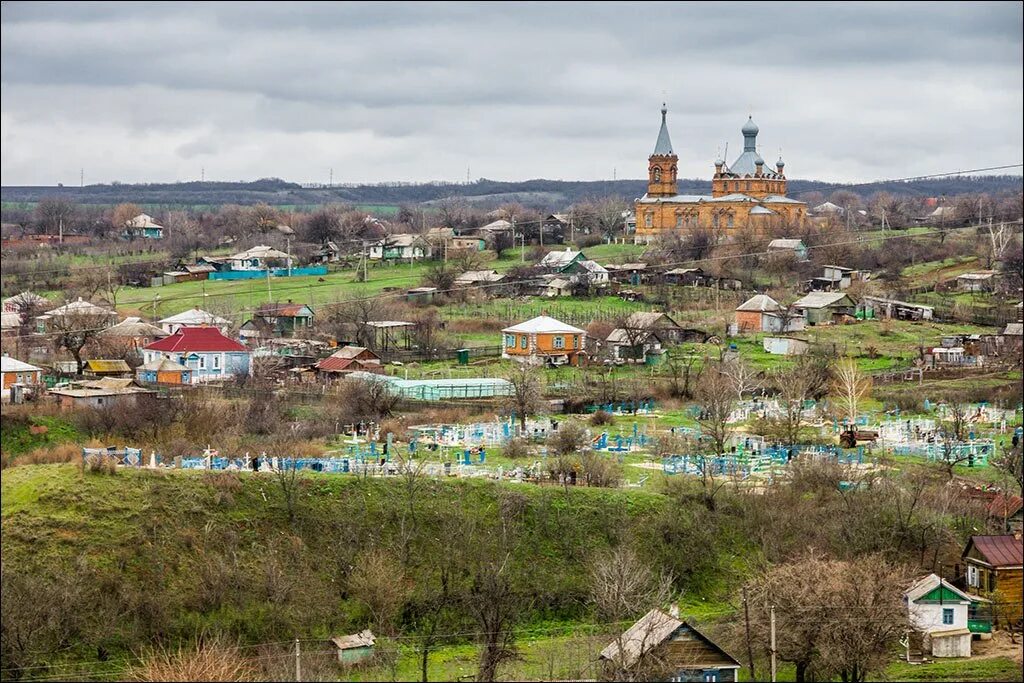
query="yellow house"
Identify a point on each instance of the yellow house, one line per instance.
(544, 340)
(745, 195)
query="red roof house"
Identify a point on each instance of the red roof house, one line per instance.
(350, 359)
(205, 350)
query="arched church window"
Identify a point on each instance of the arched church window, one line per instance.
(656, 174)
(648, 220)
(672, 174)
(728, 220)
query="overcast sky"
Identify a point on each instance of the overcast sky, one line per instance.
(416, 92)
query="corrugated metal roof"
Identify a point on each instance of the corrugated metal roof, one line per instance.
(196, 339)
(820, 299)
(999, 551)
(759, 302)
(786, 244)
(361, 639)
(195, 316)
(8, 364)
(100, 365)
(543, 324)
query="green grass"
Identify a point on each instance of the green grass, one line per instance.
(973, 669)
(16, 436)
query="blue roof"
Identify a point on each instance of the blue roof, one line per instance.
(664, 145)
(746, 164)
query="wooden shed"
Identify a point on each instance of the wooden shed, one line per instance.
(354, 648)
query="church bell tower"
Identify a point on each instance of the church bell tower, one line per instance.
(662, 165)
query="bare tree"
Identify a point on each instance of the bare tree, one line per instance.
(1000, 237)
(1010, 462)
(622, 586)
(867, 615)
(525, 400)
(54, 213)
(743, 377)
(850, 388)
(794, 389)
(714, 395)
(378, 581)
(72, 331)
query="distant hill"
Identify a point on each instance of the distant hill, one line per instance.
(543, 194)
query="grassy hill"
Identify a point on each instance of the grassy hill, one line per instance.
(140, 556)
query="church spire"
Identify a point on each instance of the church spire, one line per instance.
(664, 144)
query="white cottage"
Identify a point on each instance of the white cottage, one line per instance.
(940, 611)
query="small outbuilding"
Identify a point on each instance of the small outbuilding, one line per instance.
(354, 648)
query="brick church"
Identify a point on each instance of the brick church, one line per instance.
(745, 195)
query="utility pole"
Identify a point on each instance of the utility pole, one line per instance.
(298, 661)
(330, 182)
(60, 240)
(81, 180)
(773, 642)
(750, 650)
(572, 227)
(288, 250)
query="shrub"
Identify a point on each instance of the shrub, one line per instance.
(601, 417)
(516, 449)
(99, 464)
(206, 661)
(570, 437)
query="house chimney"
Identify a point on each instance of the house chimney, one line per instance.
(673, 610)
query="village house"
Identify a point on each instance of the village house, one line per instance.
(478, 277)
(487, 232)
(836, 279)
(10, 324)
(163, 371)
(144, 227)
(585, 272)
(286, 319)
(188, 273)
(73, 314)
(627, 273)
(993, 566)
(544, 340)
(662, 647)
(100, 393)
(25, 302)
(684, 276)
(636, 345)
(555, 287)
(404, 246)
(107, 368)
(204, 350)
(666, 328)
(819, 308)
(194, 317)
(1013, 335)
(347, 360)
(260, 257)
(794, 246)
(16, 372)
(761, 313)
(132, 332)
(328, 252)
(943, 616)
(558, 261)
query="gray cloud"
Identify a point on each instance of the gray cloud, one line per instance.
(420, 91)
